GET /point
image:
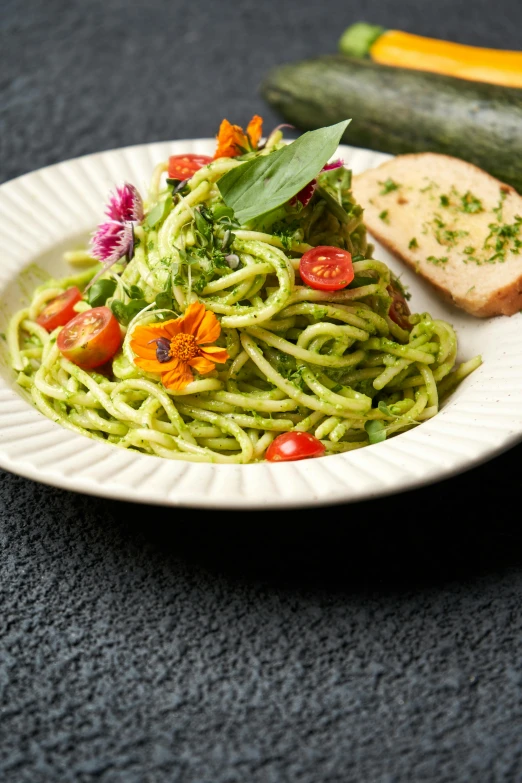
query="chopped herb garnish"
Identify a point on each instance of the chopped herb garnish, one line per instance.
(444, 201)
(500, 206)
(471, 203)
(438, 261)
(384, 216)
(449, 238)
(389, 186)
(286, 232)
(503, 237)
(413, 243)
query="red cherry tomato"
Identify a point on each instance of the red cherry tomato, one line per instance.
(326, 268)
(294, 445)
(184, 166)
(91, 338)
(60, 310)
(399, 310)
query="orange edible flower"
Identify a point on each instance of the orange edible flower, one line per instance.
(172, 348)
(232, 139)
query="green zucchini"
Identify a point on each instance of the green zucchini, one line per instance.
(397, 110)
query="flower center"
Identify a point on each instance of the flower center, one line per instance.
(184, 347)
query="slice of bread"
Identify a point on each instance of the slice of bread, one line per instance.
(457, 226)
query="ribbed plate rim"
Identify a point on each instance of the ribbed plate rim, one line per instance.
(484, 420)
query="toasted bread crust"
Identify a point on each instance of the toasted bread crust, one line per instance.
(446, 228)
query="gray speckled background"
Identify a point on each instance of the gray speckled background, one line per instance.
(373, 643)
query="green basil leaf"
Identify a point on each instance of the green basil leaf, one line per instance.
(158, 212)
(268, 181)
(376, 431)
(100, 291)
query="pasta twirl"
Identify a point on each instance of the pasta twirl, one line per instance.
(332, 363)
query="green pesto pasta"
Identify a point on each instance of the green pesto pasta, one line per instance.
(332, 363)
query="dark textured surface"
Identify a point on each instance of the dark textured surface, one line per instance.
(376, 643)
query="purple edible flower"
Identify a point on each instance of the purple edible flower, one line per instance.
(335, 164)
(111, 241)
(114, 239)
(125, 205)
(305, 195)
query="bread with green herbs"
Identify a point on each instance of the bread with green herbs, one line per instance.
(455, 225)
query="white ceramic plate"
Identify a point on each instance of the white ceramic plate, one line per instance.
(56, 208)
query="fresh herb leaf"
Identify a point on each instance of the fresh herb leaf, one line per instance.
(384, 216)
(126, 312)
(376, 431)
(100, 291)
(444, 201)
(202, 224)
(268, 181)
(413, 243)
(384, 409)
(220, 211)
(164, 301)
(158, 212)
(134, 291)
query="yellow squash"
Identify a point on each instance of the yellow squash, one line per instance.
(405, 50)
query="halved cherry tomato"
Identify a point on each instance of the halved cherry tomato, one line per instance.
(399, 310)
(91, 338)
(184, 166)
(294, 445)
(59, 310)
(326, 268)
